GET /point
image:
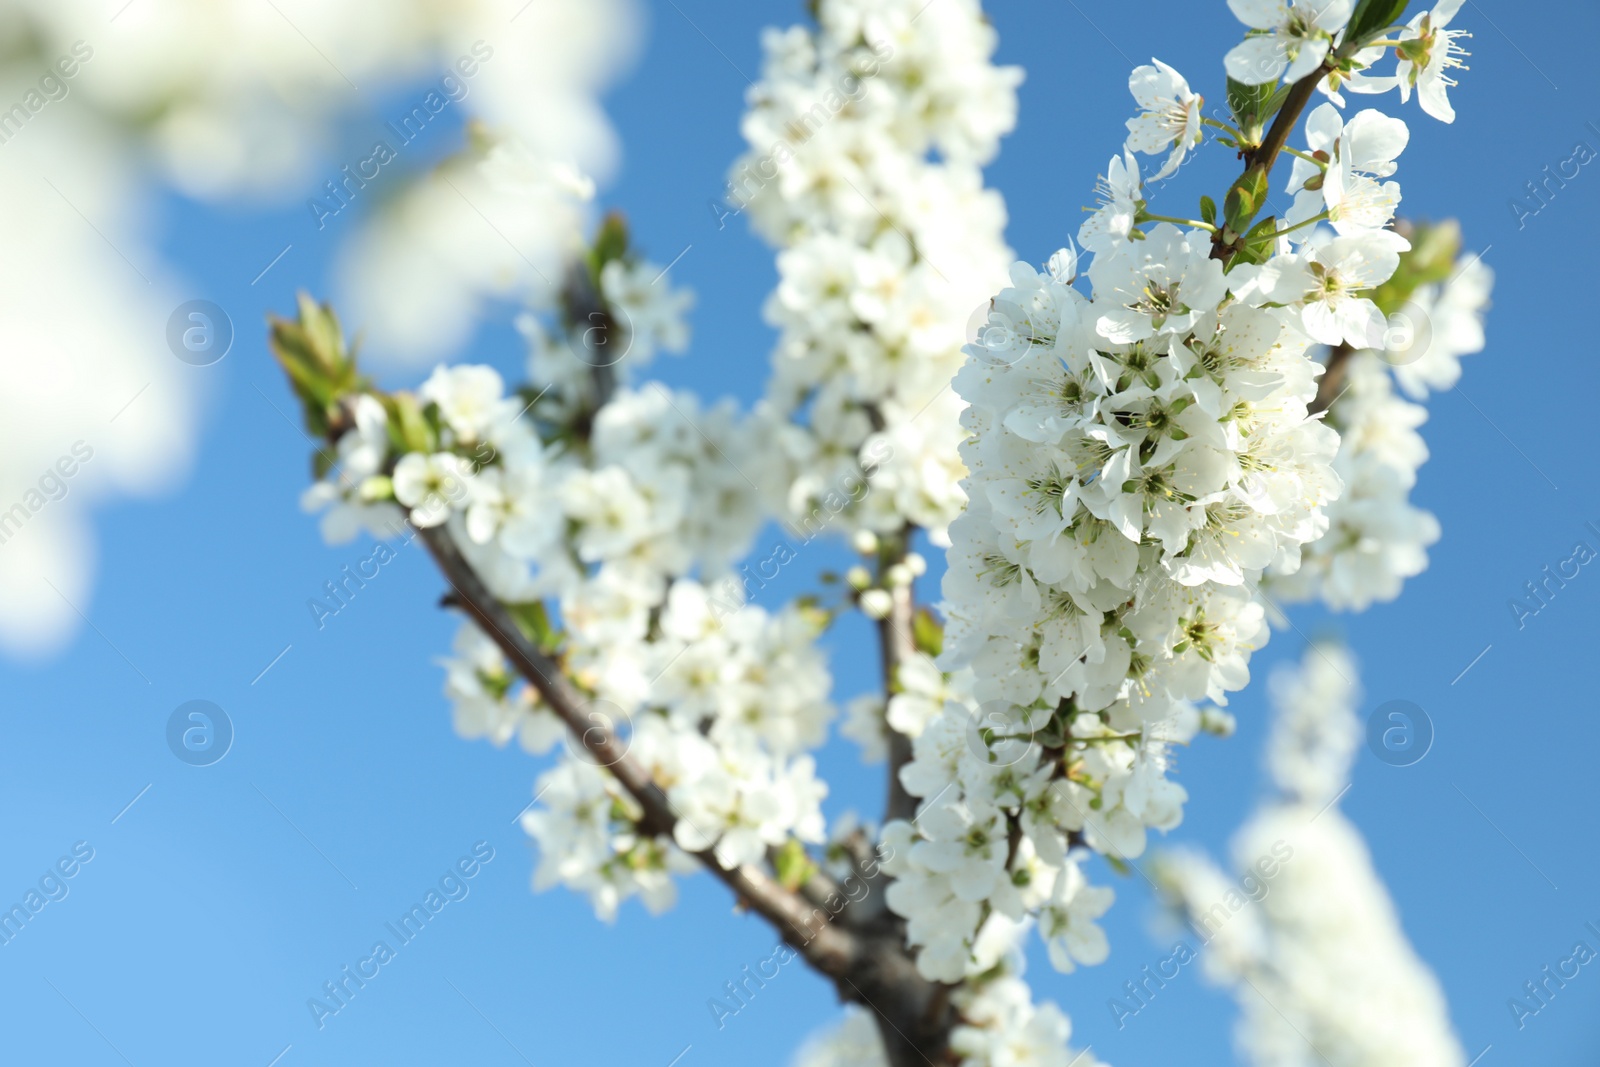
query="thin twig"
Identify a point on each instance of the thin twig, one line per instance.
(1263, 156)
(827, 947)
(895, 639)
(1332, 386)
(585, 310)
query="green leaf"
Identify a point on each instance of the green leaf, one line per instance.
(321, 370)
(1052, 734)
(1432, 259)
(927, 632)
(322, 331)
(534, 622)
(1208, 210)
(1275, 101)
(1246, 101)
(610, 243)
(1372, 17)
(1245, 198)
(408, 429)
(1252, 106)
(1256, 248)
(793, 865)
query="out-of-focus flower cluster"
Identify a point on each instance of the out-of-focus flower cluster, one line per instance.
(1131, 445)
(866, 138)
(1320, 966)
(228, 99)
(628, 528)
(1376, 537)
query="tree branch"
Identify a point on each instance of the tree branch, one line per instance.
(585, 311)
(1265, 155)
(830, 949)
(898, 645)
(1331, 387)
(868, 964)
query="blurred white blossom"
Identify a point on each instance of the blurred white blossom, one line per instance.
(227, 99)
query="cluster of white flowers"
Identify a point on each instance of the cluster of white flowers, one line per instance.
(718, 698)
(1294, 37)
(1315, 733)
(735, 800)
(998, 828)
(920, 694)
(1128, 450)
(985, 778)
(1138, 459)
(488, 701)
(887, 247)
(730, 707)
(1320, 966)
(1001, 1027)
(643, 314)
(1376, 537)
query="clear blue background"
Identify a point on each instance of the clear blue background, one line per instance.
(207, 917)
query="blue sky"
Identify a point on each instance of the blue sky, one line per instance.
(225, 896)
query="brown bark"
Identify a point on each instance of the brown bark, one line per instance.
(1265, 155)
(862, 950)
(896, 641)
(1331, 387)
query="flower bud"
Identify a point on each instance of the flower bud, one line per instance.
(876, 603)
(1218, 722)
(378, 487)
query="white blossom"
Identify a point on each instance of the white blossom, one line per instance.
(1326, 283)
(1125, 449)
(1169, 119)
(652, 312)
(471, 399)
(1121, 191)
(1292, 41)
(432, 486)
(866, 138)
(1360, 152)
(1376, 537)
(1427, 51)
